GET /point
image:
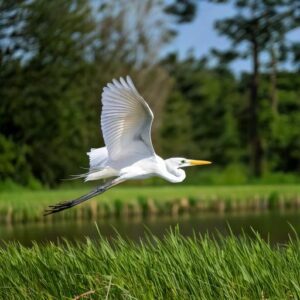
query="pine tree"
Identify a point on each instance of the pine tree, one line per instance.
(258, 25)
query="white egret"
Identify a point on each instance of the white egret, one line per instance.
(126, 121)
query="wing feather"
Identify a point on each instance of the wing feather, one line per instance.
(126, 121)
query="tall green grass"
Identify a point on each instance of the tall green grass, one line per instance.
(28, 206)
(173, 268)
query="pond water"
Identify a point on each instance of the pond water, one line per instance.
(273, 226)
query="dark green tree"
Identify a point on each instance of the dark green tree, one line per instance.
(283, 148)
(183, 10)
(55, 57)
(41, 91)
(258, 26)
(176, 131)
(209, 99)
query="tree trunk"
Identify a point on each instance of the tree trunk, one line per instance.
(274, 98)
(255, 140)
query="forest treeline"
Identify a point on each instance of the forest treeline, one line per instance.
(56, 56)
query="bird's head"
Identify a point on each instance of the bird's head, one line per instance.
(174, 166)
(180, 162)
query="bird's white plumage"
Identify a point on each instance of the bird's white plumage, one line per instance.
(126, 121)
(98, 158)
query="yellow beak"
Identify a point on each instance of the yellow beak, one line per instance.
(199, 162)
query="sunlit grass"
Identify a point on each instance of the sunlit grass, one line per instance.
(174, 268)
(25, 205)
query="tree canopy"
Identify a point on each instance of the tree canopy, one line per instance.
(56, 56)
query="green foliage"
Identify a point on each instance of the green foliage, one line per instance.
(177, 128)
(275, 177)
(55, 58)
(174, 268)
(217, 129)
(230, 175)
(210, 96)
(285, 144)
(183, 10)
(256, 29)
(7, 157)
(52, 70)
(41, 112)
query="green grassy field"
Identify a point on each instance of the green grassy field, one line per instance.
(24, 205)
(174, 268)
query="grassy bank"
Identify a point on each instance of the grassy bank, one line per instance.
(23, 206)
(174, 268)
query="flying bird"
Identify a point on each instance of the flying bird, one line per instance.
(126, 121)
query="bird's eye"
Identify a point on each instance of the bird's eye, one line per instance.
(182, 161)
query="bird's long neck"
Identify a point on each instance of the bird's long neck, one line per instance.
(175, 174)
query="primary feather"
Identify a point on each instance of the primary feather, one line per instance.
(126, 121)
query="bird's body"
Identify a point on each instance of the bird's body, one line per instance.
(126, 121)
(101, 168)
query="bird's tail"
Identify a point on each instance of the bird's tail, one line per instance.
(103, 173)
(95, 174)
(68, 204)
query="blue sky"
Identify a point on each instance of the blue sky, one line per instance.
(201, 36)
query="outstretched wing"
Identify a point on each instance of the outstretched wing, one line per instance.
(126, 121)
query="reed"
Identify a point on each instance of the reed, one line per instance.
(28, 206)
(173, 268)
